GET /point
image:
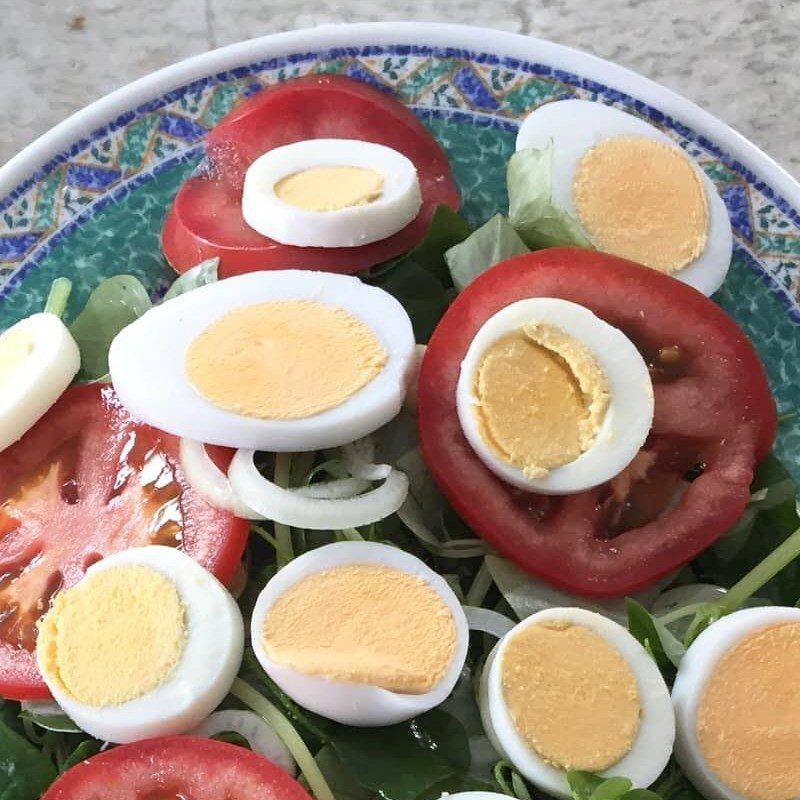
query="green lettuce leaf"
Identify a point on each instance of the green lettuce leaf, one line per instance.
(665, 649)
(531, 210)
(25, 771)
(494, 241)
(204, 273)
(115, 303)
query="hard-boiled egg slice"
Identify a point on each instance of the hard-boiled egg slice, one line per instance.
(569, 689)
(330, 193)
(146, 644)
(362, 633)
(281, 361)
(38, 360)
(633, 190)
(552, 398)
(738, 708)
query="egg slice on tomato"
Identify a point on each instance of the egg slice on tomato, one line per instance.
(568, 689)
(738, 709)
(281, 361)
(362, 633)
(146, 644)
(330, 193)
(634, 191)
(552, 398)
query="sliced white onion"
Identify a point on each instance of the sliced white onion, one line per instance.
(487, 621)
(338, 489)
(410, 402)
(291, 507)
(358, 459)
(209, 481)
(251, 727)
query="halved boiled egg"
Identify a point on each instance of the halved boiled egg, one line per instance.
(38, 360)
(552, 398)
(146, 644)
(568, 689)
(362, 633)
(330, 193)
(738, 708)
(280, 361)
(634, 191)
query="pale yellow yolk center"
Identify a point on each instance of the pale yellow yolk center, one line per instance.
(330, 188)
(283, 359)
(15, 347)
(115, 636)
(643, 200)
(363, 623)
(541, 398)
(748, 718)
(571, 695)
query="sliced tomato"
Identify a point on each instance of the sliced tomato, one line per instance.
(714, 420)
(206, 217)
(176, 767)
(85, 482)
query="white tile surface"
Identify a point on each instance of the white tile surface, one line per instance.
(738, 58)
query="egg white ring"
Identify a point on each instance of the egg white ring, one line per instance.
(349, 703)
(652, 747)
(40, 379)
(628, 418)
(199, 681)
(696, 667)
(352, 226)
(146, 362)
(591, 122)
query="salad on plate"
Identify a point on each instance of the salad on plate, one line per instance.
(371, 503)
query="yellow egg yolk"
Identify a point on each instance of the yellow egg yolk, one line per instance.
(113, 637)
(748, 717)
(571, 696)
(643, 200)
(16, 346)
(283, 359)
(330, 188)
(540, 398)
(363, 623)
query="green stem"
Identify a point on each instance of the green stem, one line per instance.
(680, 613)
(283, 533)
(58, 296)
(480, 587)
(280, 555)
(289, 736)
(780, 557)
(350, 535)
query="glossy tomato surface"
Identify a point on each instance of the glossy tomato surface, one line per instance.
(175, 767)
(206, 219)
(714, 420)
(87, 481)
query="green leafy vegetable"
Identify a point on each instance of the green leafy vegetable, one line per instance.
(513, 785)
(531, 210)
(60, 723)
(672, 784)
(420, 279)
(666, 650)
(494, 241)
(587, 786)
(86, 749)
(25, 771)
(57, 299)
(115, 303)
(400, 762)
(201, 275)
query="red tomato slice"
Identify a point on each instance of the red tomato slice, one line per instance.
(85, 482)
(206, 217)
(714, 420)
(176, 767)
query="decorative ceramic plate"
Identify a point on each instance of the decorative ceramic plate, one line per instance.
(87, 200)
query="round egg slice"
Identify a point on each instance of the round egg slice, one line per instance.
(285, 360)
(146, 644)
(568, 689)
(360, 632)
(552, 398)
(330, 193)
(634, 191)
(738, 708)
(38, 360)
